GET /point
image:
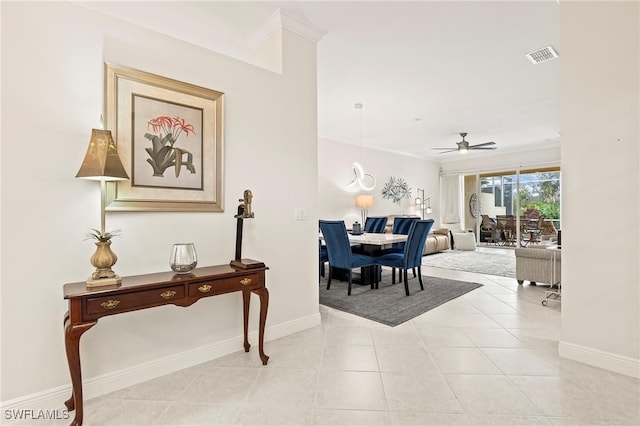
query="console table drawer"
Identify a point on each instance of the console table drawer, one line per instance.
(225, 286)
(133, 300)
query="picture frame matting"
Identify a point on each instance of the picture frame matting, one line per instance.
(169, 136)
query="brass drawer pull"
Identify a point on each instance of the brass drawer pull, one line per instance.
(245, 281)
(168, 294)
(110, 304)
(206, 288)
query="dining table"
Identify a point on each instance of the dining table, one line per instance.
(376, 241)
(371, 244)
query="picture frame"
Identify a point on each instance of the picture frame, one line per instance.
(169, 136)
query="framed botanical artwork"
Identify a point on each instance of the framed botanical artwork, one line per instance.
(169, 137)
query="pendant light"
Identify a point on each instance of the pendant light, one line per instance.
(363, 180)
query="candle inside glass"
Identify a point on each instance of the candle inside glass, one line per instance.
(183, 258)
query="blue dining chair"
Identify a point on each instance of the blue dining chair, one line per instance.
(339, 251)
(375, 225)
(411, 257)
(323, 256)
(372, 225)
(401, 225)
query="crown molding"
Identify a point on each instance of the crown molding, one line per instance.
(283, 19)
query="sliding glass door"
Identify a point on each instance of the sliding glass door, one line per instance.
(509, 203)
(497, 197)
(540, 192)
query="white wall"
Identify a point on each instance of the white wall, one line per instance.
(335, 202)
(600, 161)
(52, 82)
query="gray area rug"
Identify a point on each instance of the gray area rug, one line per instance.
(473, 261)
(388, 304)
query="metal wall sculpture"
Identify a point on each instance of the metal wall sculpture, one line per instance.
(396, 189)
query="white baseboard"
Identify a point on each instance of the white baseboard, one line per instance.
(601, 359)
(95, 386)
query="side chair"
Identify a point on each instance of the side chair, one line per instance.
(339, 251)
(323, 256)
(375, 225)
(411, 257)
(401, 225)
(372, 225)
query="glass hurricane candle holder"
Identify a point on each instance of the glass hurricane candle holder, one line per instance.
(183, 258)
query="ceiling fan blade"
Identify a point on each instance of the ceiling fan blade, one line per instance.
(482, 144)
(464, 146)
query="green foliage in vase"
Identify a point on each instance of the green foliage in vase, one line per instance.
(102, 236)
(163, 154)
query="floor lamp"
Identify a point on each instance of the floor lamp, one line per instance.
(423, 204)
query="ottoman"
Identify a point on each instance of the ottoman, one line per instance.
(464, 241)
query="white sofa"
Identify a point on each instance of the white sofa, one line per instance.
(437, 240)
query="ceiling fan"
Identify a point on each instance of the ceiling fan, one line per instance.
(463, 146)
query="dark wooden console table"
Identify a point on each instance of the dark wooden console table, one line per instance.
(148, 291)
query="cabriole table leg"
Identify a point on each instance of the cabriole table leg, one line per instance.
(72, 335)
(246, 299)
(263, 293)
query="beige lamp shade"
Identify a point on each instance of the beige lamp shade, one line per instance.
(365, 200)
(101, 161)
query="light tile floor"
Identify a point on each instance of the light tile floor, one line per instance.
(486, 358)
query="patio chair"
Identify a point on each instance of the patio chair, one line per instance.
(489, 230)
(507, 229)
(531, 230)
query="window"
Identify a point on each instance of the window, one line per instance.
(540, 190)
(503, 187)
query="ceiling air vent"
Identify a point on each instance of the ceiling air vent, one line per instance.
(542, 55)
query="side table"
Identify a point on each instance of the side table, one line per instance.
(86, 306)
(553, 295)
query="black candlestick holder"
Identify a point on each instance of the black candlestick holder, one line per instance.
(244, 212)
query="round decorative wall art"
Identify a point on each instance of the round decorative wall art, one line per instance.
(473, 205)
(396, 189)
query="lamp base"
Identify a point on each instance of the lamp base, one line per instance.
(246, 263)
(102, 282)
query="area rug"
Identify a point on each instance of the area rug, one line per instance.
(473, 261)
(388, 304)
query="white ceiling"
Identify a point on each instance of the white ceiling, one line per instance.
(423, 70)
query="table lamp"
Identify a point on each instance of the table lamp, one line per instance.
(364, 201)
(102, 163)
